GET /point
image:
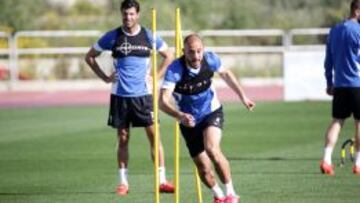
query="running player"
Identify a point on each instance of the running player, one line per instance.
(200, 113)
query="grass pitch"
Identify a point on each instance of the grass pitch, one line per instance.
(67, 154)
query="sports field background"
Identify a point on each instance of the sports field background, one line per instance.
(67, 154)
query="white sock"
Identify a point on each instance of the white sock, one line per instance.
(162, 176)
(217, 192)
(327, 155)
(123, 176)
(357, 158)
(229, 188)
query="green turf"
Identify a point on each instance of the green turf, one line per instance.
(67, 154)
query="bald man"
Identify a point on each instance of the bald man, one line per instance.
(189, 81)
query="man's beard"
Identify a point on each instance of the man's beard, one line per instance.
(193, 64)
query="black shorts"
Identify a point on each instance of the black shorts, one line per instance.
(134, 111)
(346, 101)
(194, 136)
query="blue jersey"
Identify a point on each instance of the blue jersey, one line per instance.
(131, 55)
(198, 105)
(343, 55)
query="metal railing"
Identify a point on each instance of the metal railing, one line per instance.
(15, 51)
(245, 33)
(286, 43)
(305, 32)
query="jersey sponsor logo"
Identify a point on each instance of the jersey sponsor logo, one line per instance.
(190, 87)
(126, 48)
(137, 45)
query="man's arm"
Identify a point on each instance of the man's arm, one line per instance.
(328, 64)
(232, 82)
(164, 51)
(165, 104)
(167, 56)
(90, 60)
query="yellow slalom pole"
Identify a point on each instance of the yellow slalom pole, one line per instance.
(177, 164)
(178, 50)
(198, 185)
(155, 109)
(176, 135)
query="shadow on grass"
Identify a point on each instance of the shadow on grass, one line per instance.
(273, 159)
(282, 163)
(51, 193)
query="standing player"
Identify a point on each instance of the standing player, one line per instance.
(343, 59)
(188, 79)
(131, 99)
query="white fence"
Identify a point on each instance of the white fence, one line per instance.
(292, 53)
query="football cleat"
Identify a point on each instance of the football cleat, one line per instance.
(232, 199)
(167, 187)
(327, 168)
(122, 190)
(356, 169)
(219, 200)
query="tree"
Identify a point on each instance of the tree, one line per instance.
(20, 14)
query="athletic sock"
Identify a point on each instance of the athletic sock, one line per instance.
(357, 158)
(123, 176)
(217, 192)
(162, 175)
(327, 154)
(229, 188)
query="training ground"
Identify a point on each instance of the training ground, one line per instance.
(66, 154)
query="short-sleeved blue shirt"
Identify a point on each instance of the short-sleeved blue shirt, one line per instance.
(131, 71)
(198, 105)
